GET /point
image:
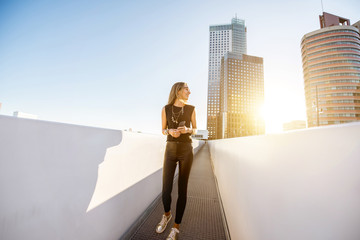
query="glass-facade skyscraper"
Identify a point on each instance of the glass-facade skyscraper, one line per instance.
(241, 96)
(223, 39)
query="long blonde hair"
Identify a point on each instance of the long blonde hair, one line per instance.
(174, 91)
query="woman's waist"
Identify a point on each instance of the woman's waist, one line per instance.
(177, 147)
(174, 140)
(178, 142)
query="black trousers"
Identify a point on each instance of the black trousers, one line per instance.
(182, 153)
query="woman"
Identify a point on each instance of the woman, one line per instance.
(176, 117)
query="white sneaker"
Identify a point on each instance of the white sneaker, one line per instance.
(174, 234)
(163, 223)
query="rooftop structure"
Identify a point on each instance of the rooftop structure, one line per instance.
(328, 20)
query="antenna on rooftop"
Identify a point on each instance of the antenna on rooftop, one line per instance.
(322, 6)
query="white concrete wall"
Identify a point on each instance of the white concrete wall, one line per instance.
(298, 185)
(62, 181)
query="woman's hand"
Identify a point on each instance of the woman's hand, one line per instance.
(183, 129)
(174, 132)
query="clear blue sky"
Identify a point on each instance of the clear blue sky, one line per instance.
(112, 63)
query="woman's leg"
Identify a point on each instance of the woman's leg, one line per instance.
(185, 163)
(168, 174)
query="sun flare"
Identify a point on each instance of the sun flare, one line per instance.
(276, 112)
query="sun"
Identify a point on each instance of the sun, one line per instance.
(276, 111)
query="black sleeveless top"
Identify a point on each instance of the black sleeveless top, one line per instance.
(186, 116)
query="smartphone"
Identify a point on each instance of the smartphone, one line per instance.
(182, 124)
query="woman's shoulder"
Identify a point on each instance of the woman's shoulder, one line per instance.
(167, 106)
(190, 106)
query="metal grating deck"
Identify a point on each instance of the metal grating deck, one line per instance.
(202, 218)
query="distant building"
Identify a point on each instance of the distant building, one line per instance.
(201, 135)
(223, 39)
(331, 66)
(25, 115)
(296, 124)
(241, 96)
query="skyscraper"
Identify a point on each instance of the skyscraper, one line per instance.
(331, 65)
(241, 96)
(223, 39)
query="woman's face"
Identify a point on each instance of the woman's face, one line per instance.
(184, 92)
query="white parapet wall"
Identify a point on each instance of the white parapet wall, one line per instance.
(298, 185)
(63, 181)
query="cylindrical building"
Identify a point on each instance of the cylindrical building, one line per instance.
(331, 65)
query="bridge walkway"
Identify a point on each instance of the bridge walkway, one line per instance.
(203, 218)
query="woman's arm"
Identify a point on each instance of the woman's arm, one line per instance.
(193, 123)
(163, 122)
